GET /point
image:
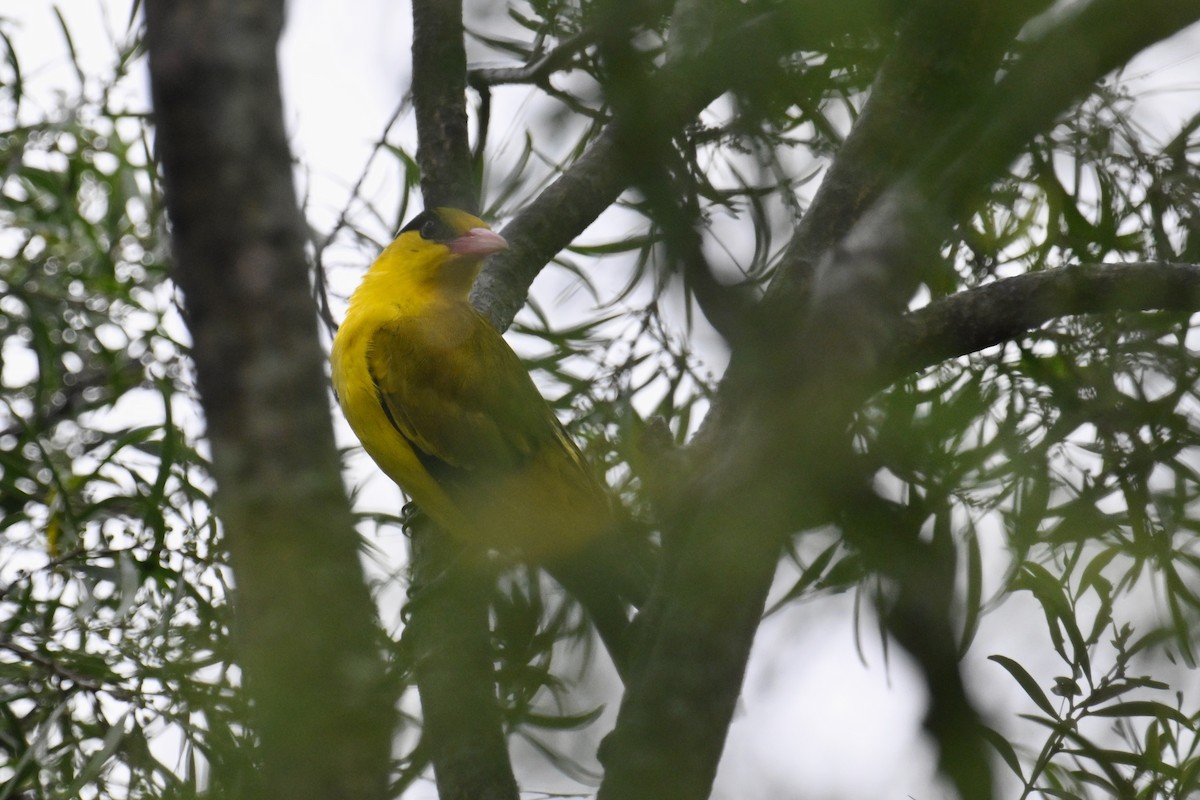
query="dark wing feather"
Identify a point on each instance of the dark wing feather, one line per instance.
(455, 390)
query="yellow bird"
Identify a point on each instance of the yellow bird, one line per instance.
(446, 409)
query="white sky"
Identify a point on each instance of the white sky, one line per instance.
(814, 720)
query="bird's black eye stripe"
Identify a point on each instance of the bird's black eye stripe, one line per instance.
(431, 227)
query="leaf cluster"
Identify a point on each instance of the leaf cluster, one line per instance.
(114, 625)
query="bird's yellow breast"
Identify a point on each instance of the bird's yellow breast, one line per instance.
(359, 399)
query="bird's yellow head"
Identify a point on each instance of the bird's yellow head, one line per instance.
(440, 250)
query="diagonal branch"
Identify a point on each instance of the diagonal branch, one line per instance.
(777, 458)
(539, 70)
(1007, 309)
(919, 616)
(1057, 70)
(749, 486)
(679, 91)
(915, 96)
(546, 226)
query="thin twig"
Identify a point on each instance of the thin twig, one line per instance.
(539, 70)
(320, 280)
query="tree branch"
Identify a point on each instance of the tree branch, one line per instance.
(860, 288)
(1007, 309)
(739, 503)
(546, 226)
(935, 66)
(439, 85)
(661, 174)
(539, 70)
(449, 638)
(1055, 72)
(449, 631)
(305, 621)
(680, 91)
(779, 456)
(918, 613)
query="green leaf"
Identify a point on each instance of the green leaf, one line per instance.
(1027, 683)
(1143, 708)
(1002, 746)
(973, 600)
(1091, 576)
(811, 574)
(99, 760)
(564, 722)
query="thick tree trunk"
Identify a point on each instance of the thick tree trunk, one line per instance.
(305, 621)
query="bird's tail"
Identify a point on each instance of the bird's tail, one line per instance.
(610, 577)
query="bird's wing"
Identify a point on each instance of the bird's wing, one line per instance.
(456, 391)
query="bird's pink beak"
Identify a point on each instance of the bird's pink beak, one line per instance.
(478, 242)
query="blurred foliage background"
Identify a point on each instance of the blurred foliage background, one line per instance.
(1060, 467)
(114, 591)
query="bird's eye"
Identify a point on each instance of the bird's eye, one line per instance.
(430, 226)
